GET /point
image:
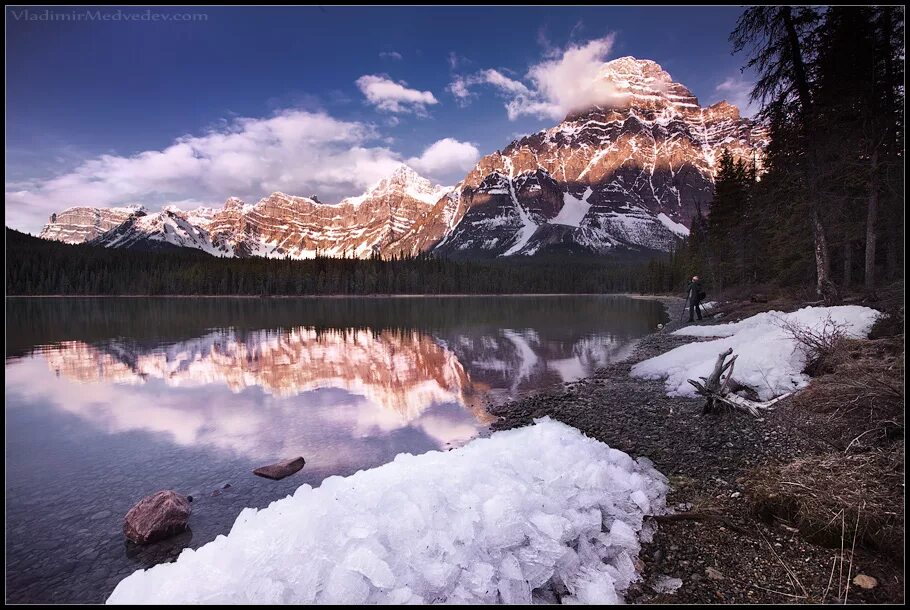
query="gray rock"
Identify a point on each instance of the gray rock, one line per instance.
(281, 469)
(713, 574)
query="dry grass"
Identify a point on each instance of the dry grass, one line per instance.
(834, 498)
(859, 404)
(853, 494)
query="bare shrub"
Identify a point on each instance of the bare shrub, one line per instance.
(824, 344)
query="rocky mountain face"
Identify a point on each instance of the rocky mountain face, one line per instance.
(628, 175)
(283, 225)
(625, 176)
(80, 224)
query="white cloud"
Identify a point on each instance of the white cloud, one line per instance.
(293, 151)
(390, 55)
(391, 96)
(736, 90)
(460, 87)
(543, 39)
(571, 82)
(444, 158)
(456, 61)
(566, 80)
(503, 82)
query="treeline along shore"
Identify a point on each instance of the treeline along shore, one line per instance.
(41, 267)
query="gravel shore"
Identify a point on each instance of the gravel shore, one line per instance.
(725, 554)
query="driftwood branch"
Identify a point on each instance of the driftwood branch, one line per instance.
(701, 516)
(716, 389)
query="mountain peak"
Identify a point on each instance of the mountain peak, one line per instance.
(641, 85)
(625, 68)
(723, 109)
(402, 175)
(405, 172)
(405, 180)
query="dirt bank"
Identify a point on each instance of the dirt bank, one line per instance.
(730, 555)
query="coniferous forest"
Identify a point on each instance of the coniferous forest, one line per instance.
(826, 207)
(40, 267)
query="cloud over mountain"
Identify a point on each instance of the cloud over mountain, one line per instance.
(737, 90)
(564, 80)
(446, 156)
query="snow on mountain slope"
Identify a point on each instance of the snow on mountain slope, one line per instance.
(573, 210)
(170, 227)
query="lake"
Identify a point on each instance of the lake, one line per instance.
(111, 399)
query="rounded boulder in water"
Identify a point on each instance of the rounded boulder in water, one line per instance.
(156, 517)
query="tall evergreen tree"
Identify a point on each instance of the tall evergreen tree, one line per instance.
(782, 42)
(727, 230)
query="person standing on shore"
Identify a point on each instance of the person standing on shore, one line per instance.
(694, 296)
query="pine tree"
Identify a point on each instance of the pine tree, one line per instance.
(782, 41)
(726, 230)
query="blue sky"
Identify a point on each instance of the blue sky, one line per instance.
(139, 107)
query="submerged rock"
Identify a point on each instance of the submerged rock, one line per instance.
(157, 517)
(281, 469)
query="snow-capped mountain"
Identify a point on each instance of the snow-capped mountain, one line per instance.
(629, 175)
(283, 225)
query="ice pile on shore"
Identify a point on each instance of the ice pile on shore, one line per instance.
(770, 360)
(522, 515)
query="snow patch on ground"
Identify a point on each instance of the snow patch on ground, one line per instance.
(769, 359)
(504, 519)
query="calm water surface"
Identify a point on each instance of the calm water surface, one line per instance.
(109, 400)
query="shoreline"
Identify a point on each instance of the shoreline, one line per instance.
(736, 558)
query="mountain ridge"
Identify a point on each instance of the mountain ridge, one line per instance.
(625, 175)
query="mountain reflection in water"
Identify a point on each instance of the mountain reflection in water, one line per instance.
(393, 361)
